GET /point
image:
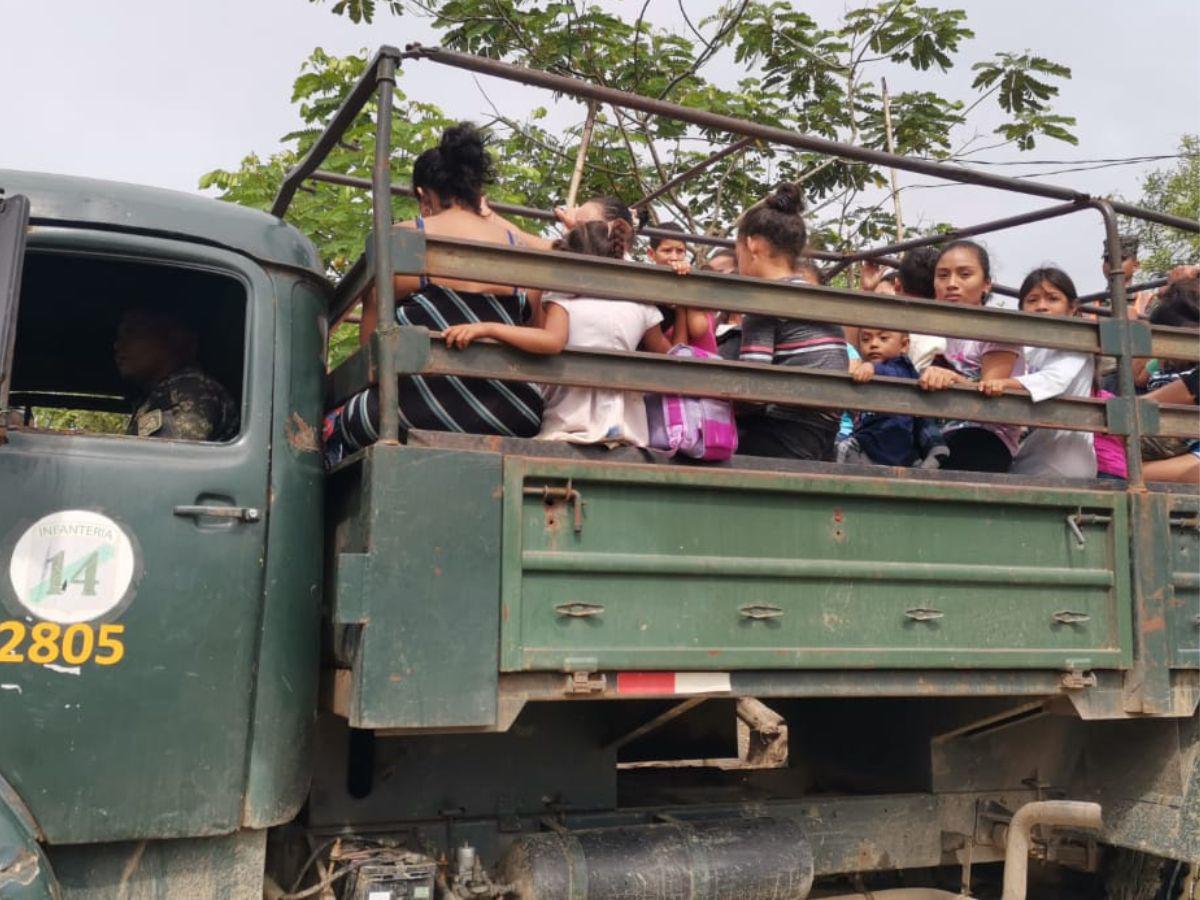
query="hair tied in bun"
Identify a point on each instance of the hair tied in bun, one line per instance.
(787, 199)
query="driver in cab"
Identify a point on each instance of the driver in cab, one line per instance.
(156, 352)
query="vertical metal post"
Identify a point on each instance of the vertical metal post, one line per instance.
(1120, 306)
(891, 147)
(581, 157)
(385, 291)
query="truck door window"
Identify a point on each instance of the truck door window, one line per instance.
(145, 350)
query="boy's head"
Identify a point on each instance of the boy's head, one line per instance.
(879, 344)
(1129, 257)
(1178, 305)
(916, 272)
(665, 251)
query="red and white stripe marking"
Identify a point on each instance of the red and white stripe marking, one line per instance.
(670, 683)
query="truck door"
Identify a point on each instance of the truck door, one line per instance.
(131, 563)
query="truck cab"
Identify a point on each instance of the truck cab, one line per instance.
(159, 629)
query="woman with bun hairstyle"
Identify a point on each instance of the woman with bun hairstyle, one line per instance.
(963, 275)
(770, 238)
(576, 414)
(449, 181)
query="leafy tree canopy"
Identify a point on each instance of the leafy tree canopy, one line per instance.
(791, 71)
(1174, 190)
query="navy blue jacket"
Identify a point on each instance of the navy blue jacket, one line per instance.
(891, 440)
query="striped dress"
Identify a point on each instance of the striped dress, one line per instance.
(445, 402)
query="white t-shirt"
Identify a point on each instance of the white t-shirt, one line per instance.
(589, 415)
(1048, 451)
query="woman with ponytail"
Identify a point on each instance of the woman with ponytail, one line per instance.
(449, 181)
(770, 239)
(574, 414)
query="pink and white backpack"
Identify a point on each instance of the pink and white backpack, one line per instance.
(693, 426)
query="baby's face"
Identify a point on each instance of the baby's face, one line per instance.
(877, 345)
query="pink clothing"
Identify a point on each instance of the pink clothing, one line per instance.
(1110, 448)
(966, 357)
(706, 342)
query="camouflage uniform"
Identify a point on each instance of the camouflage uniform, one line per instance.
(187, 405)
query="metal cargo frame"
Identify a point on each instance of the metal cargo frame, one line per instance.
(395, 350)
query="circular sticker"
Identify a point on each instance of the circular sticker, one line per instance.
(72, 566)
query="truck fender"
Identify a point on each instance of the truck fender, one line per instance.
(25, 872)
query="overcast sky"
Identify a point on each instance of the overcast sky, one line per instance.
(160, 91)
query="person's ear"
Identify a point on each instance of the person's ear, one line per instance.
(904, 343)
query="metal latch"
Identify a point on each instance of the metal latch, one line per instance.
(1077, 679)
(587, 683)
(240, 513)
(1075, 520)
(549, 494)
(1070, 617)
(923, 613)
(760, 611)
(579, 610)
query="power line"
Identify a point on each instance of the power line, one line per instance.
(1119, 160)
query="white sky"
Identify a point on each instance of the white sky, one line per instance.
(160, 91)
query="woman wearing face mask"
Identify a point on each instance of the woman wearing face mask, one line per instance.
(963, 275)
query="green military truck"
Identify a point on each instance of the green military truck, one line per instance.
(460, 666)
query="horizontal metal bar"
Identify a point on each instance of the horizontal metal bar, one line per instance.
(1037, 215)
(621, 280)
(1174, 343)
(705, 119)
(1179, 421)
(1130, 290)
(342, 119)
(850, 570)
(748, 382)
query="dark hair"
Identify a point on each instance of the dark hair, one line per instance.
(458, 168)
(1052, 275)
(1178, 305)
(613, 208)
(890, 278)
(779, 220)
(611, 239)
(981, 254)
(667, 226)
(811, 269)
(720, 251)
(916, 271)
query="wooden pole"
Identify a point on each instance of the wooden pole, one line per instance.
(584, 142)
(891, 146)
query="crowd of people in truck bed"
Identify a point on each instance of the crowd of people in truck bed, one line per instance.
(450, 181)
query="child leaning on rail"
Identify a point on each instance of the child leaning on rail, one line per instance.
(576, 414)
(1051, 373)
(884, 439)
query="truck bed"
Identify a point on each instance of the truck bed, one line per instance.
(469, 574)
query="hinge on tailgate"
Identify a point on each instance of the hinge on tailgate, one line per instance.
(586, 683)
(1077, 679)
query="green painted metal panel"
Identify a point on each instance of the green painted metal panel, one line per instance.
(416, 586)
(687, 567)
(285, 687)
(154, 745)
(1183, 597)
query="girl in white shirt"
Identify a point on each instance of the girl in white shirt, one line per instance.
(577, 414)
(1051, 373)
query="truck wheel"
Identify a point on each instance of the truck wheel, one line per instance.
(1132, 875)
